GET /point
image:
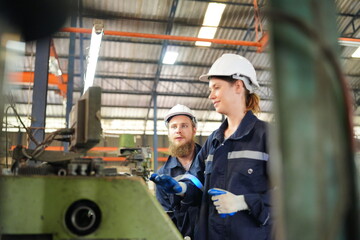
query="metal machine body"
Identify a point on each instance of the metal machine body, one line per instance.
(137, 160)
(81, 207)
(86, 203)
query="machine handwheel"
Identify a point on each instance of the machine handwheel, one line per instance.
(83, 217)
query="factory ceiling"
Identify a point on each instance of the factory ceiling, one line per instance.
(134, 81)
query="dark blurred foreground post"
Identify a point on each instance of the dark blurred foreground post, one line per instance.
(313, 155)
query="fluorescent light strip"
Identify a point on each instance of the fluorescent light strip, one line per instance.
(356, 54)
(93, 57)
(170, 57)
(213, 14)
(202, 44)
(211, 21)
(206, 32)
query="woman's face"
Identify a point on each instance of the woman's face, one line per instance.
(224, 95)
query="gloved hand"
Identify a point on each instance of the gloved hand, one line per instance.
(227, 203)
(169, 184)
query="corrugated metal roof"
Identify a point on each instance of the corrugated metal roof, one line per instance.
(128, 66)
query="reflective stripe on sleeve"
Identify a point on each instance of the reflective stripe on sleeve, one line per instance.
(249, 154)
(209, 158)
(266, 220)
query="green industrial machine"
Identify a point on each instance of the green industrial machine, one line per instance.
(67, 196)
(62, 196)
(81, 207)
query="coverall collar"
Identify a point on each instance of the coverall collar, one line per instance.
(173, 162)
(245, 126)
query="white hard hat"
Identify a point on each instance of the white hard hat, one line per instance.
(179, 109)
(234, 66)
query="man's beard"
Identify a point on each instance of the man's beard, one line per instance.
(182, 150)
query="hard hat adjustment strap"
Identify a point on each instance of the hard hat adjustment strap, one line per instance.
(242, 77)
(246, 80)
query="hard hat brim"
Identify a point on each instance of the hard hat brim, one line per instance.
(168, 117)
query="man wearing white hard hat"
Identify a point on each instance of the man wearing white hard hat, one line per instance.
(180, 166)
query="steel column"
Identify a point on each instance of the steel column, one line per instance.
(70, 83)
(82, 71)
(157, 77)
(312, 161)
(38, 112)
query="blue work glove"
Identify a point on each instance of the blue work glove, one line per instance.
(169, 184)
(227, 203)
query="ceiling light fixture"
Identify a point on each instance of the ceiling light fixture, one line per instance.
(211, 22)
(170, 57)
(356, 54)
(96, 36)
(54, 66)
(206, 32)
(213, 14)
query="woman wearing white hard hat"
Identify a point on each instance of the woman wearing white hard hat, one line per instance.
(235, 203)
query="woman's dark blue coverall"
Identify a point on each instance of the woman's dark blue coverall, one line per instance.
(239, 165)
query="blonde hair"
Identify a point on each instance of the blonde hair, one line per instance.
(252, 102)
